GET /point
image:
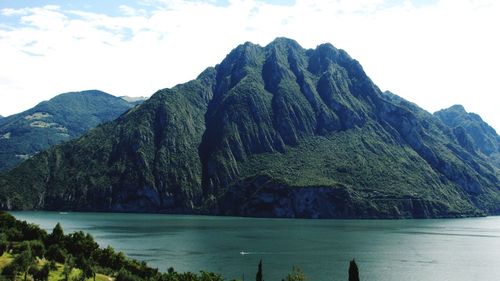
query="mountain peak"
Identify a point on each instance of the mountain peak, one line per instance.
(452, 115)
(93, 92)
(271, 131)
(471, 131)
(86, 94)
(284, 42)
(458, 108)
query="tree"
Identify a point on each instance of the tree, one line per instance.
(55, 253)
(14, 234)
(209, 276)
(31, 231)
(124, 275)
(80, 245)
(68, 267)
(105, 257)
(24, 261)
(3, 243)
(258, 277)
(37, 248)
(118, 261)
(57, 235)
(87, 266)
(353, 271)
(296, 275)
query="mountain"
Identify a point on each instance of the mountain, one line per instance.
(134, 100)
(62, 118)
(472, 133)
(275, 131)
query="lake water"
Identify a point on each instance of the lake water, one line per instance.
(447, 249)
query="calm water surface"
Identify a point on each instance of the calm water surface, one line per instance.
(448, 249)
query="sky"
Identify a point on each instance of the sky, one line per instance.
(435, 53)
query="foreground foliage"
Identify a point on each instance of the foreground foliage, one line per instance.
(28, 252)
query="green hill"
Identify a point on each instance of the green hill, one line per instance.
(277, 131)
(62, 118)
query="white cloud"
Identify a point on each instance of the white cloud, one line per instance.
(435, 55)
(14, 12)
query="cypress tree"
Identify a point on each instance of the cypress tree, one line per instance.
(258, 277)
(353, 271)
(57, 235)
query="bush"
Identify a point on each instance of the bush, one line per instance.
(41, 274)
(210, 276)
(124, 275)
(52, 265)
(296, 275)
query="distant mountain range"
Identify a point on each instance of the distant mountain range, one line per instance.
(62, 118)
(134, 100)
(274, 131)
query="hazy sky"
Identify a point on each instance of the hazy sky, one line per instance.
(435, 53)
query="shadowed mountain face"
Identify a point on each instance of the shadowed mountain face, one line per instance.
(277, 131)
(62, 118)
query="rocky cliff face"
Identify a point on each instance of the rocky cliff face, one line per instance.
(274, 131)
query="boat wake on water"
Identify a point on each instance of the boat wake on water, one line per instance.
(243, 253)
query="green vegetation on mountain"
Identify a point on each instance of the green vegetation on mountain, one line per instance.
(276, 131)
(62, 118)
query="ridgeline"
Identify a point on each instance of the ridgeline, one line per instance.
(274, 131)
